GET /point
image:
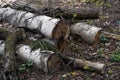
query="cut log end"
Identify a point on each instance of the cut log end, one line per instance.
(54, 63)
(97, 39)
(61, 45)
(61, 30)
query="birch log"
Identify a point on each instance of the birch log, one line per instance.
(45, 60)
(88, 33)
(49, 27)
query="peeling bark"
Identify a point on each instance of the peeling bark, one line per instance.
(88, 33)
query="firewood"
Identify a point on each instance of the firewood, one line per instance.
(88, 33)
(50, 27)
(46, 60)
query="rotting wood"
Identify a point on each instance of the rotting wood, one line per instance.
(89, 34)
(3, 34)
(9, 70)
(78, 14)
(10, 62)
(49, 27)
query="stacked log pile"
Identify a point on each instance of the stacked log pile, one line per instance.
(45, 52)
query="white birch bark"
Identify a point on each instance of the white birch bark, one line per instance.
(88, 33)
(5, 2)
(2, 46)
(39, 57)
(42, 23)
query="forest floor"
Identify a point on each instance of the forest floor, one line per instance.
(106, 52)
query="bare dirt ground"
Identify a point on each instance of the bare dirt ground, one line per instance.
(76, 47)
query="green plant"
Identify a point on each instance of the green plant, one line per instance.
(79, 49)
(115, 57)
(72, 44)
(100, 51)
(103, 38)
(110, 71)
(98, 2)
(25, 66)
(90, 22)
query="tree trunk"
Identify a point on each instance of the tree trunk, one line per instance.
(88, 33)
(50, 27)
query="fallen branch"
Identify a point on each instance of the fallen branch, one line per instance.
(81, 63)
(49, 27)
(88, 33)
(111, 35)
